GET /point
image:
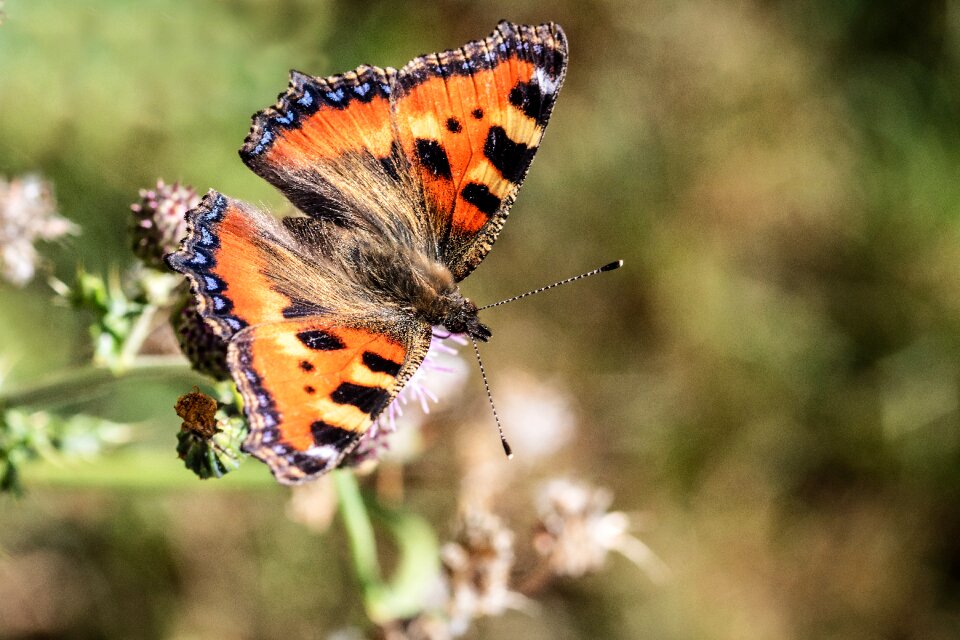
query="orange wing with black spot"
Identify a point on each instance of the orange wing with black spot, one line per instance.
(312, 389)
(455, 131)
(471, 120)
(307, 144)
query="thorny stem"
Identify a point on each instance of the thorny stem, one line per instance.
(138, 333)
(67, 386)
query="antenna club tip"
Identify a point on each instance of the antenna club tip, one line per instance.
(510, 456)
(616, 264)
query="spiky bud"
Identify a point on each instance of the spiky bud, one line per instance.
(159, 221)
(206, 351)
(209, 441)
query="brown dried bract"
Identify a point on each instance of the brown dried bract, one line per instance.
(198, 412)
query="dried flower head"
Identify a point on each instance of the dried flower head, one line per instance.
(198, 412)
(575, 531)
(159, 221)
(477, 568)
(27, 214)
(206, 351)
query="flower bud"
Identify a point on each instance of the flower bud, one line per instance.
(159, 221)
(206, 351)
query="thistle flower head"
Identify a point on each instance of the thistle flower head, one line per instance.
(159, 221)
(206, 351)
(27, 214)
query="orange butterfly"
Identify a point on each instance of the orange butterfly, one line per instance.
(406, 178)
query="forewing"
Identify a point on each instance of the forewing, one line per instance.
(311, 389)
(471, 120)
(432, 155)
(328, 146)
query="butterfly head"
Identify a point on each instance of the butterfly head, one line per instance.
(463, 318)
(433, 294)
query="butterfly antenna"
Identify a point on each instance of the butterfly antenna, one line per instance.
(607, 267)
(483, 374)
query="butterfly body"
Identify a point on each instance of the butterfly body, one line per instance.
(405, 179)
(418, 286)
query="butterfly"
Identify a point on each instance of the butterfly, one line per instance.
(404, 179)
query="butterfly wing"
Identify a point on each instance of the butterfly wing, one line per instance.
(224, 257)
(440, 147)
(470, 120)
(312, 381)
(311, 389)
(305, 142)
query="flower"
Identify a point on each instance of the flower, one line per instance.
(575, 532)
(538, 420)
(477, 566)
(27, 214)
(159, 221)
(539, 416)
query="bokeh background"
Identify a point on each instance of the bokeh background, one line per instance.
(771, 386)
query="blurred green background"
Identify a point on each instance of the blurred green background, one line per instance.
(773, 380)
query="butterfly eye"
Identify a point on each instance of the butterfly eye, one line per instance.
(455, 325)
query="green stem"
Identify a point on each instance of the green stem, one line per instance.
(363, 545)
(403, 595)
(68, 385)
(138, 334)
